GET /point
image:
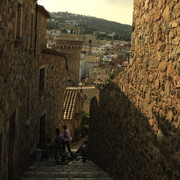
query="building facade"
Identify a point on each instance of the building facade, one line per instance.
(32, 85)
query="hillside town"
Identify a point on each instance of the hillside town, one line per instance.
(98, 58)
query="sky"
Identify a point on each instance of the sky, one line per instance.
(115, 10)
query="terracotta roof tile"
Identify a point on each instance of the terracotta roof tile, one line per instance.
(69, 103)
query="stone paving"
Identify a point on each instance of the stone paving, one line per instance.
(74, 170)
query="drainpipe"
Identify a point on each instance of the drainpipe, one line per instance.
(35, 42)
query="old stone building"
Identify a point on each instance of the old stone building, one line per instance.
(90, 40)
(32, 81)
(137, 119)
(71, 45)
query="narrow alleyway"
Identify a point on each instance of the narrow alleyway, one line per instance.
(74, 170)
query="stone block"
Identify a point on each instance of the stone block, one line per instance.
(178, 31)
(178, 93)
(161, 46)
(163, 66)
(157, 16)
(170, 116)
(166, 14)
(151, 122)
(170, 69)
(167, 89)
(178, 69)
(174, 24)
(157, 84)
(160, 4)
(178, 50)
(151, 77)
(10, 26)
(1, 38)
(153, 63)
(176, 41)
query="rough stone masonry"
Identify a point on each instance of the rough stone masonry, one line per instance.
(32, 84)
(135, 124)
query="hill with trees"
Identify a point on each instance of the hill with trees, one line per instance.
(62, 20)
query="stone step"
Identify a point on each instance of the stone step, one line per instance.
(71, 178)
(74, 170)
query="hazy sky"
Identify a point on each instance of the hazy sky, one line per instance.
(115, 10)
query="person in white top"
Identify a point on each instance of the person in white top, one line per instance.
(67, 138)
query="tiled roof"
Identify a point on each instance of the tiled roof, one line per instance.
(69, 103)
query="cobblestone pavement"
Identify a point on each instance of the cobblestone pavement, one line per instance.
(74, 170)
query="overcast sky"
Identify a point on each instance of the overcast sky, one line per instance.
(115, 10)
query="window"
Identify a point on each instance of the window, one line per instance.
(19, 21)
(31, 33)
(42, 79)
(0, 151)
(28, 100)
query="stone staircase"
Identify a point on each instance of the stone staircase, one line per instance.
(74, 170)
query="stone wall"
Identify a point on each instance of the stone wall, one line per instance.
(14, 62)
(135, 125)
(42, 16)
(22, 105)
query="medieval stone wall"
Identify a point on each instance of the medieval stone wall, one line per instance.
(22, 105)
(14, 62)
(135, 125)
(41, 28)
(52, 98)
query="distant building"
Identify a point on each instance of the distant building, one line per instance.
(98, 50)
(71, 44)
(91, 61)
(82, 71)
(90, 40)
(98, 70)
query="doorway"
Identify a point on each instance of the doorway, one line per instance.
(11, 149)
(42, 130)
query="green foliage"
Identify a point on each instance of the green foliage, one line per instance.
(107, 80)
(51, 25)
(85, 119)
(104, 37)
(85, 123)
(77, 135)
(83, 131)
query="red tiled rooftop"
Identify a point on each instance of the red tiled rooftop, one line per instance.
(69, 103)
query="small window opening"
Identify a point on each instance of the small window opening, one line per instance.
(19, 21)
(42, 79)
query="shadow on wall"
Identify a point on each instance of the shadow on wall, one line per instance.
(124, 143)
